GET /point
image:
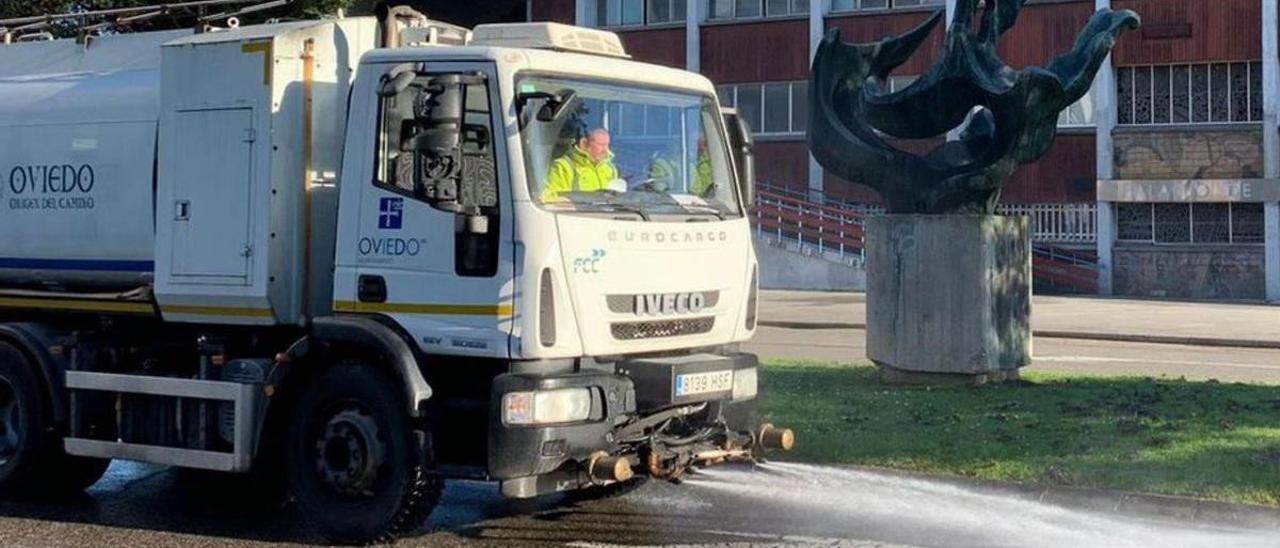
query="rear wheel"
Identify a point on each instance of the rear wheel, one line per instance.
(32, 461)
(357, 465)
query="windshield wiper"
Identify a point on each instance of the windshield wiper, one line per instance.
(631, 209)
(706, 209)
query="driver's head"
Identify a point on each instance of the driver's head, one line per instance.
(595, 144)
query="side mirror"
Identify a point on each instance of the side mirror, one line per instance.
(741, 147)
(566, 100)
(556, 104)
(438, 158)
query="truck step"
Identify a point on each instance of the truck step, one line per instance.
(246, 399)
(156, 454)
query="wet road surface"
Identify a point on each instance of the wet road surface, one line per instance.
(775, 504)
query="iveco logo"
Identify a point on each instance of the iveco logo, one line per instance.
(668, 236)
(669, 303)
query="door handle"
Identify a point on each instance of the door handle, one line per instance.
(372, 289)
(182, 210)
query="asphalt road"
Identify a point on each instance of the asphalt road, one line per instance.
(776, 505)
(1065, 355)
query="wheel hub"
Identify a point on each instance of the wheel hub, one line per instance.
(349, 453)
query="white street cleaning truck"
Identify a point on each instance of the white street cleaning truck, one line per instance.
(368, 255)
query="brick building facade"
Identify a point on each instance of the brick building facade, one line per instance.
(1175, 150)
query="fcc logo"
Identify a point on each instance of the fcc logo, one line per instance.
(391, 214)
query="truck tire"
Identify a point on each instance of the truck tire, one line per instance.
(357, 465)
(32, 461)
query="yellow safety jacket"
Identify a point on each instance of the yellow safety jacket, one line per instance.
(664, 173)
(575, 172)
(703, 176)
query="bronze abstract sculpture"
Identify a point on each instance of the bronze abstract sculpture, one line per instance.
(1012, 114)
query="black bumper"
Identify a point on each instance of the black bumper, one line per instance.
(636, 388)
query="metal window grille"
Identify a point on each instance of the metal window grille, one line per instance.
(1189, 223)
(1197, 93)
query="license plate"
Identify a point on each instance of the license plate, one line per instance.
(704, 383)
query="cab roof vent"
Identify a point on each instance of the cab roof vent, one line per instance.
(553, 36)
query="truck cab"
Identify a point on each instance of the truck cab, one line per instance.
(593, 306)
(383, 254)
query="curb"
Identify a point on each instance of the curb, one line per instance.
(1161, 339)
(1049, 334)
(1113, 501)
(811, 325)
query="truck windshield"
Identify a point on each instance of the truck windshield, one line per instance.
(627, 149)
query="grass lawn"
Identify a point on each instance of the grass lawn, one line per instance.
(1205, 439)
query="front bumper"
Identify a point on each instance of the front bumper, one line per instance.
(630, 407)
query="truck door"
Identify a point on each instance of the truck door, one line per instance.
(418, 264)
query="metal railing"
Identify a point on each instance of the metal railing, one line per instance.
(821, 198)
(1074, 223)
(1058, 223)
(1065, 269)
(836, 228)
(816, 227)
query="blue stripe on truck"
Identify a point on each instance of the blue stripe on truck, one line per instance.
(84, 265)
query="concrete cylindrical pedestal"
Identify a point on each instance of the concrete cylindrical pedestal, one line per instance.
(949, 297)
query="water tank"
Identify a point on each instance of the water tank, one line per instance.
(77, 161)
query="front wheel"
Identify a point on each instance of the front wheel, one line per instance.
(357, 466)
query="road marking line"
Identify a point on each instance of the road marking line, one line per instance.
(1146, 361)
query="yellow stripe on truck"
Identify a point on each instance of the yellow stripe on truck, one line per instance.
(77, 305)
(182, 309)
(499, 310)
(268, 58)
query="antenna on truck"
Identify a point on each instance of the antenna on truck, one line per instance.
(87, 22)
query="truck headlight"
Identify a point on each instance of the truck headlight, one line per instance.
(745, 384)
(546, 407)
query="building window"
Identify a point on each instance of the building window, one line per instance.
(1194, 223)
(752, 9)
(772, 108)
(854, 5)
(630, 13)
(1203, 93)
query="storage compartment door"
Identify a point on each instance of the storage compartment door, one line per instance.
(213, 154)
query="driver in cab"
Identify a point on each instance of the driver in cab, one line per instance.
(587, 167)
